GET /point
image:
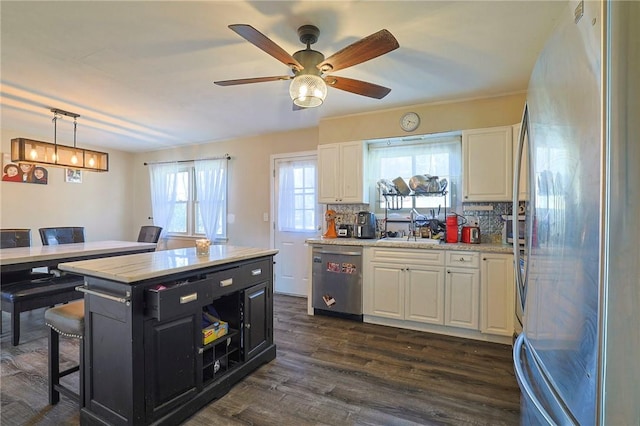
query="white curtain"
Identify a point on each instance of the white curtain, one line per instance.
(435, 155)
(288, 187)
(211, 184)
(163, 193)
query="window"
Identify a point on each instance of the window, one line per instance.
(435, 155)
(297, 206)
(187, 197)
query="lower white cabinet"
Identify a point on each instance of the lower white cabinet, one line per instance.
(462, 290)
(405, 285)
(498, 294)
(461, 293)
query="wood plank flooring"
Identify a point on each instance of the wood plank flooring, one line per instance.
(328, 371)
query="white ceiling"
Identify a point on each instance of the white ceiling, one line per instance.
(140, 73)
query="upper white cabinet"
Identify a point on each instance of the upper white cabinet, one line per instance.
(524, 164)
(497, 294)
(487, 157)
(341, 173)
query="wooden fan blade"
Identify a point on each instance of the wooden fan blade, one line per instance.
(261, 41)
(357, 86)
(251, 80)
(363, 50)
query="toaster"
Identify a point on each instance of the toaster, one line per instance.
(345, 231)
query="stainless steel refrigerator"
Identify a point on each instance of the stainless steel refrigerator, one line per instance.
(577, 359)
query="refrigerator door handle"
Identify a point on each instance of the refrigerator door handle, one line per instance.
(521, 281)
(519, 347)
(522, 380)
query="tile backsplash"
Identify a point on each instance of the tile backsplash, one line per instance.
(489, 215)
(491, 221)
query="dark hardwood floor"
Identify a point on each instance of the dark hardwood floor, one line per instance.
(328, 371)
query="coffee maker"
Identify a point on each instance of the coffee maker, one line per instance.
(365, 225)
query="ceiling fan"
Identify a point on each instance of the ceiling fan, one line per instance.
(309, 86)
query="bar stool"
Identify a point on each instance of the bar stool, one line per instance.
(66, 320)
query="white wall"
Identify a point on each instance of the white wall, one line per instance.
(101, 203)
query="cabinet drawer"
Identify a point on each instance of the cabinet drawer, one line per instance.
(255, 272)
(463, 259)
(178, 299)
(225, 281)
(415, 256)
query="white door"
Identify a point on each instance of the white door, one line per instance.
(296, 216)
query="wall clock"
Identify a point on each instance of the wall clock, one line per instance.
(410, 121)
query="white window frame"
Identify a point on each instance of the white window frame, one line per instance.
(410, 202)
(192, 208)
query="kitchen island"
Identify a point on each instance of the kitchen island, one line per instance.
(145, 358)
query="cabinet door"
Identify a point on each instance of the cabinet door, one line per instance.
(328, 173)
(424, 294)
(257, 328)
(523, 190)
(387, 290)
(498, 294)
(488, 164)
(341, 173)
(462, 298)
(171, 362)
(352, 173)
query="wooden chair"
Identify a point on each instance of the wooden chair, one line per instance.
(26, 290)
(149, 234)
(62, 235)
(10, 238)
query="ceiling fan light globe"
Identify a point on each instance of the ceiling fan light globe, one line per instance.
(308, 91)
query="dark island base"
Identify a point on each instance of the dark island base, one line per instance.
(209, 393)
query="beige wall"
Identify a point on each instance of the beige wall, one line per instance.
(114, 205)
(434, 118)
(249, 180)
(101, 203)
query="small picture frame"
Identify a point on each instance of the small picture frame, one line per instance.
(72, 176)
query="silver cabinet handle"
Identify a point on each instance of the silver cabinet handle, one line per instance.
(343, 253)
(227, 282)
(188, 298)
(125, 300)
(255, 272)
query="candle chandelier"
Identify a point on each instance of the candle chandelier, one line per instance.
(53, 154)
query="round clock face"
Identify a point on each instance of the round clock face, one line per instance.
(410, 121)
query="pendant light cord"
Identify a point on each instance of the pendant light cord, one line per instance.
(55, 136)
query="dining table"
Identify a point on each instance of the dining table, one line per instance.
(21, 293)
(25, 258)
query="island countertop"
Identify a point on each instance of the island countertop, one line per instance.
(137, 267)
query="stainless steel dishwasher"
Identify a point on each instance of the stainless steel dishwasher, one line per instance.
(337, 281)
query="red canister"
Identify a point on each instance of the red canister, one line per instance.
(452, 228)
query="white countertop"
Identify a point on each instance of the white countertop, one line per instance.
(137, 267)
(17, 255)
(418, 243)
